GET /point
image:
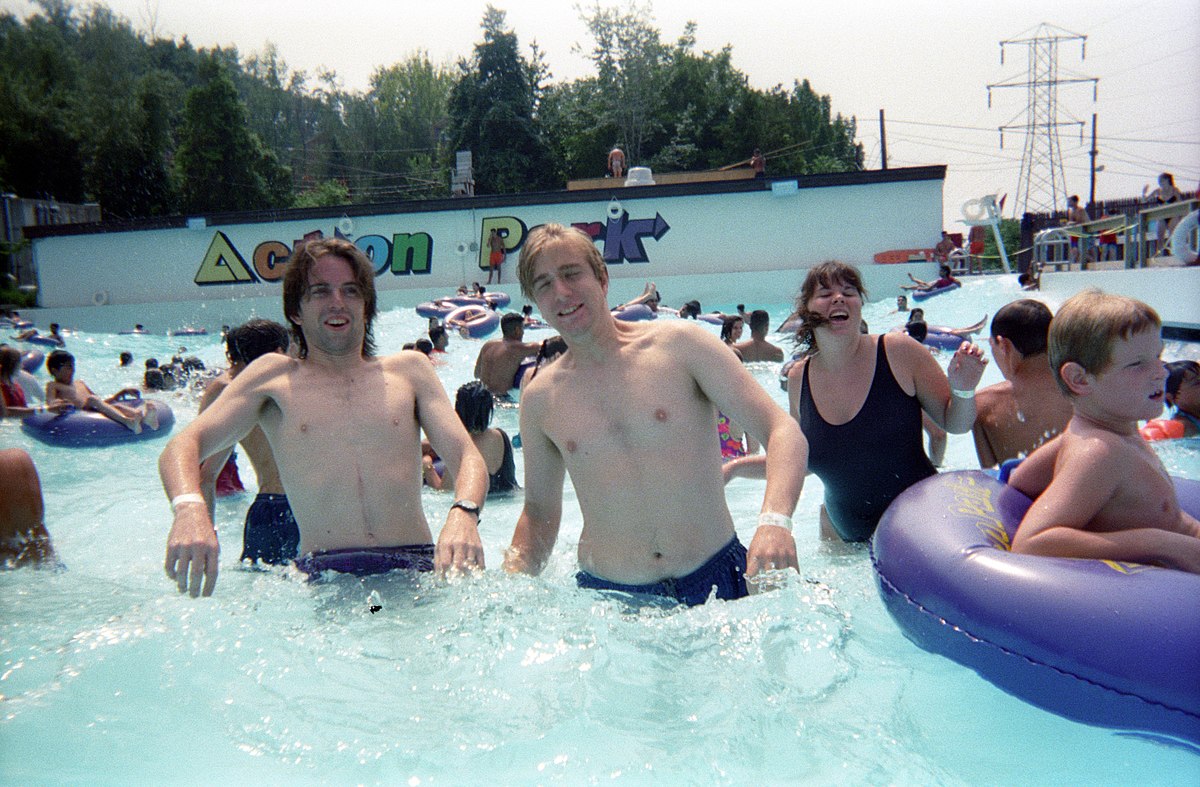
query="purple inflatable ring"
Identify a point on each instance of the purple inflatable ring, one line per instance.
(32, 359)
(1103, 643)
(86, 429)
(924, 295)
(635, 313)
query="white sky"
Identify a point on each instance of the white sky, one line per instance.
(921, 61)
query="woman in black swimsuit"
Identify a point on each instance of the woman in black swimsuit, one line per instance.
(859, 398)
(474, 404)
(1165, 194)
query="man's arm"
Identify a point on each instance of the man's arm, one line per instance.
(458, 544)
(537, 526)
(210, 468)
(731, 388)
(983, 445)
(192, 548)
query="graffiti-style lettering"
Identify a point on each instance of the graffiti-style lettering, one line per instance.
(623, 237)
(223, 265)
(270, 259)
(378, 251)
(411, 253)
(511, 229)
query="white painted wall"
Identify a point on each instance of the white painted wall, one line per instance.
(719, 235)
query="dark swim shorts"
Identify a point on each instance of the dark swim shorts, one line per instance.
(725, 571)
(271, 534)
(364, 561)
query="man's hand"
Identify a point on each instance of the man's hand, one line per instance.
(772, 548)
(458, 546)
(192, 550)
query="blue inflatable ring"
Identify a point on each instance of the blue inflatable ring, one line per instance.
(87, 429)
(635, 313)
(1103, 643)
(473, 322)
(923, 295)
(32, 359)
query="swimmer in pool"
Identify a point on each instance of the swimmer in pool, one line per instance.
(344, 428)
(474, 405)
(945, 279)
(612, 412)
(24, 540)
(270, 533)
(757, 348)
(1016, 416)
(499, 362)
(64, 388)
(859, 399)
(1100, 490)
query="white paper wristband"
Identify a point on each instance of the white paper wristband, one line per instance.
(961, 394)
(778, 520)
(184, 499)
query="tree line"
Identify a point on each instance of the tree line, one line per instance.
(96, 111)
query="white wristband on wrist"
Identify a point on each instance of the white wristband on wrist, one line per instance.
(184, 499)
(961, 394)
(778, 520)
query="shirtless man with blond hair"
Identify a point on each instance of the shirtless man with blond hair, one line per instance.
(344, 427)
(615, 412)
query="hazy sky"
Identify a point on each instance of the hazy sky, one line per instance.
(926, 64)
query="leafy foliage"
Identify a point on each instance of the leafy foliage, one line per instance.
(96, 111)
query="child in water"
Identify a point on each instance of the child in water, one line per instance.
(64, 388)
(1101, 491)
(1183, 393)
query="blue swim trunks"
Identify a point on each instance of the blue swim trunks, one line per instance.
(364, 561)
(271, 534)
(725, 571)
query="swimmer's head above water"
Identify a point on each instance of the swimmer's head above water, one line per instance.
(296, 282)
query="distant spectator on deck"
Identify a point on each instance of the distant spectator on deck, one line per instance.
(976, 241)
(941, 252)
(758, 163)
(616, 163)
(1165, 194)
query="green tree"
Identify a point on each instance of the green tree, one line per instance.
(220, 163)
(493, 114)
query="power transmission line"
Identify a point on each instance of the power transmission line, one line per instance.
(1042, 185)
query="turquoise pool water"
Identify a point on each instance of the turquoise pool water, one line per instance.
(108, 676)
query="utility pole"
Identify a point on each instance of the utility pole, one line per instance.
(882, 140)
(1042, 185)
(1092, 189)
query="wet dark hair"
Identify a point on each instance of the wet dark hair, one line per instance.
(917, 329)
(828, 274)
(549, 350)
(295, 284)
(126, 358)
(760, 320)
(437, 332)
(727, 323)
(255, 338)
(58, 359)
(474, 403)
(1025, 323)
(511, 324)
(423, 345)
(10, 361)
(1176, 370)
(690, 309)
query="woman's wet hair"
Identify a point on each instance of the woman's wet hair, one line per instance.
(727, 325)
(548, 350)
(474, 403)
(828, 274)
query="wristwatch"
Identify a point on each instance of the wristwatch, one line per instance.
(469, 506)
